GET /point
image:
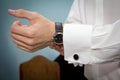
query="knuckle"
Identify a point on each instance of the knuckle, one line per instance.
(31, 42)
(31, 48)
(31, 33)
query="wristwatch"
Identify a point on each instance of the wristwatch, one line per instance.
(58, 36)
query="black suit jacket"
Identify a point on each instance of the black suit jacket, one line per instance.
(68, 71)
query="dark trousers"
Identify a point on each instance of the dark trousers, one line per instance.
(68, 71)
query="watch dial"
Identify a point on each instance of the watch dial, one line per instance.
(59, 38)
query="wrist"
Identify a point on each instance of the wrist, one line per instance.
(52, 31)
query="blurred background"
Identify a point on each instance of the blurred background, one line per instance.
(10, 55)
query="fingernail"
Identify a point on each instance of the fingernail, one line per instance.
(11, 11)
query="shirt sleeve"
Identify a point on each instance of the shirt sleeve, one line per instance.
(114, 75)
(89, 44)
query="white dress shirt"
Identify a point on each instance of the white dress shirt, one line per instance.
(91, 35)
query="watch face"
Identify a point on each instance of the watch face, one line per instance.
(58, 38)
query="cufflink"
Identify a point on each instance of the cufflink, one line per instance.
(75, 56)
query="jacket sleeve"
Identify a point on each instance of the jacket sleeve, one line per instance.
(89, 44)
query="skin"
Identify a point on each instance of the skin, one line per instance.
(37, 35)
(59, 48)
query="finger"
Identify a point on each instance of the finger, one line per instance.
(23, 48)
(23, 44)
(20, 13)
(24, 30)
(29, 50)
(41, 45)
(23, 39)
(29, 47)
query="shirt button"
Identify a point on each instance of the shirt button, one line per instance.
(76, 57)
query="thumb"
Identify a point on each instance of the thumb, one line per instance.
(20, 13)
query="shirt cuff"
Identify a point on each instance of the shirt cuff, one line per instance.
(77, 43)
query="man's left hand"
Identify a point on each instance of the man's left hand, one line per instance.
(31, 37)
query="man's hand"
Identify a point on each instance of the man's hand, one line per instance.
(35, 36)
